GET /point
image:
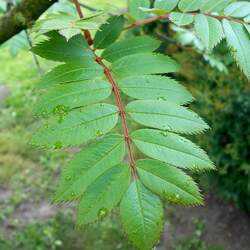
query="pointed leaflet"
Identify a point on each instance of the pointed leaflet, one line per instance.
(168, 5)
(78, 126)
(181, 19)
(130, 46)
(85, 69)
(238, 9)
(190, 5)
(134, 8)
(109, 32)
(214, 5)
(144, 64)
(56, 48)
(209, 30)
(171, 148)
(155, 88)
(88, 165)
(73, 95)
(103, 194)
(169, 182)
(166, 116)
(238, 39)
(142, 216)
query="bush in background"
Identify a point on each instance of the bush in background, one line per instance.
(224, 102)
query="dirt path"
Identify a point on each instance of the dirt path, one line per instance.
(225, 225)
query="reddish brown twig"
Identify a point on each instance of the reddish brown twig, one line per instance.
(117, 96)
(86, 32)
(167, 17)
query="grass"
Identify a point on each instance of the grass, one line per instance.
(195, 241)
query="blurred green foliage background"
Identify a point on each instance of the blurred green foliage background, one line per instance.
(28, 176)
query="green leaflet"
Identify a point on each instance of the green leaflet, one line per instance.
(130, 46)
(143, 64)
(88, 165)
(238, 9)
(181, 19)
(209, 30)
(134, 8)
(142, 216)
(86, 69)
(73, 95)
(169, 182)
(155, 88)
(78, 126)
(166, 5)
(214, 5)
(109, 32)
(190, 5)
(67, 25)
(55, 21)
(238, 39)
(56, 48)
(103, 194)
(171, 148)
(166, 116)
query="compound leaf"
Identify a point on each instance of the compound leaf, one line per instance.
(166, 116)
(144, 64)
(169, 182)
(209, 30)
(238, 39)
(171, 148)
(109, 32)
(103, 194)
(156, 88)
(70, 101)
(142, 216)
(130, 46)
(78, 126)
(88, 165)
(73, 95)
